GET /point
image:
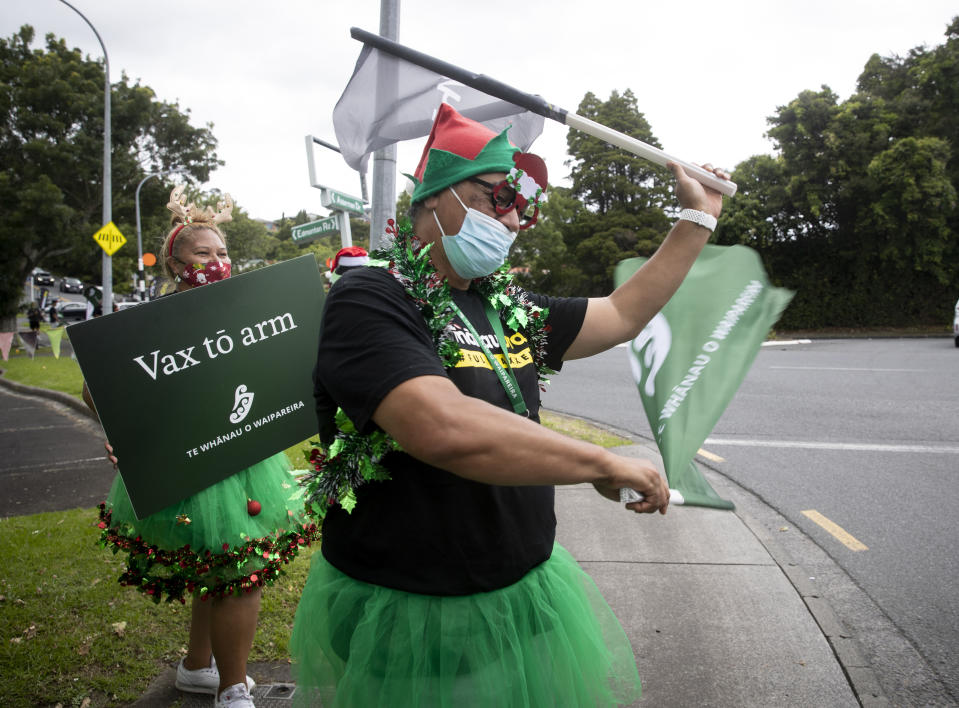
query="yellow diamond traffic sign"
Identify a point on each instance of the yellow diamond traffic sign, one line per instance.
(109, 238)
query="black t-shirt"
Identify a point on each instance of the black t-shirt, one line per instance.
(427, 530)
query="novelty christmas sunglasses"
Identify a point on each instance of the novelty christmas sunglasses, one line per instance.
(505, 198)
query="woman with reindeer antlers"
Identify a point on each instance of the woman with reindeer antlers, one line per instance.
(223, 544)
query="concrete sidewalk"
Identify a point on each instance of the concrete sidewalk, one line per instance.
(716, 612)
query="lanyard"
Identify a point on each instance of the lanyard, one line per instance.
(505, 375)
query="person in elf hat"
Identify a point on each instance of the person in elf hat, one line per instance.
(223, 544)
(440, 581)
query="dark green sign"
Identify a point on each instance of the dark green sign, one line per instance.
(196, 386)
(304, 233)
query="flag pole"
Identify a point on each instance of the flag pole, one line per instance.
(540, 106)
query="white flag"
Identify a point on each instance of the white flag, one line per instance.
(390, 99)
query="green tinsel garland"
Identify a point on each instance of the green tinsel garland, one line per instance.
(353, 459)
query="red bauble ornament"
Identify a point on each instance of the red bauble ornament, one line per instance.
(253, 507)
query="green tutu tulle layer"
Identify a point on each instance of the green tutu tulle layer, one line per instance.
(211, 544)
(548, 640)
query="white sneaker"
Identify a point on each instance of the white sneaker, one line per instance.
(198, 681)
(202, 680)
(236, 696)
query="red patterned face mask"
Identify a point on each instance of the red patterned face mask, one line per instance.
(203, 273)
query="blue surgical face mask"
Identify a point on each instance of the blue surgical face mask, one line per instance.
(480, 247)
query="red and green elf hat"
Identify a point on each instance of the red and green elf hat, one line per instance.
(459, 148)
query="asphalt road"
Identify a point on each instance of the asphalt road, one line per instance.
(51, 457)
(860, 433)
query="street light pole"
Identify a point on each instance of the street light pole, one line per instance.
(384, 159)
(141, 285)
(107, 268)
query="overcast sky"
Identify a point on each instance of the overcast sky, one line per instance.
(706, 74)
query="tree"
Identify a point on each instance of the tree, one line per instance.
(625, 197)
(540, 252)
(360, 232)
(247, 239)
(801, 132)
(761, 215)
(862, 195)
(607, 178)
(923, 86)
(51, 148)
(285, 224)
(908, 217)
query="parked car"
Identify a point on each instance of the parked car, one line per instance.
(955, 324)
(124, 304)
(43, 279)
(72, 311)
(71, 285)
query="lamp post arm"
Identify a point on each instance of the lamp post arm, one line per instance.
(141, 284)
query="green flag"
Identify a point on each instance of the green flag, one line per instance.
(55, 336)
(692, 356)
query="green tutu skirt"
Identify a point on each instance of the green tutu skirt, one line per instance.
(216, 542)
(549, 639)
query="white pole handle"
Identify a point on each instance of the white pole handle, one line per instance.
(628, 496)
(647, 151)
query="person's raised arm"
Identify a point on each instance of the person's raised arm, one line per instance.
(622, 315)
(435, 423)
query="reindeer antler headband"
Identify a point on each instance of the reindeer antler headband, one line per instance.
(190, 214)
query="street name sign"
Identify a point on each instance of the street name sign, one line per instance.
(109, 238)
(332, 199)
(304, 233)
(196, 386)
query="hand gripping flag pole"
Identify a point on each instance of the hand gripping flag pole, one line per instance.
(538, 105)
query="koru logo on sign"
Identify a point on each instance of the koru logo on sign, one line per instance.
(242, 404)
(657, 338)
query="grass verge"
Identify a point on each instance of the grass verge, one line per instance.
(70, 635)
(576, 428)
(61, 374)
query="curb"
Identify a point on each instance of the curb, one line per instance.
(66, 399)
(860, 674)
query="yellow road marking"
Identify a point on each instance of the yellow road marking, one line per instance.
(840, 534)
(710, 456)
